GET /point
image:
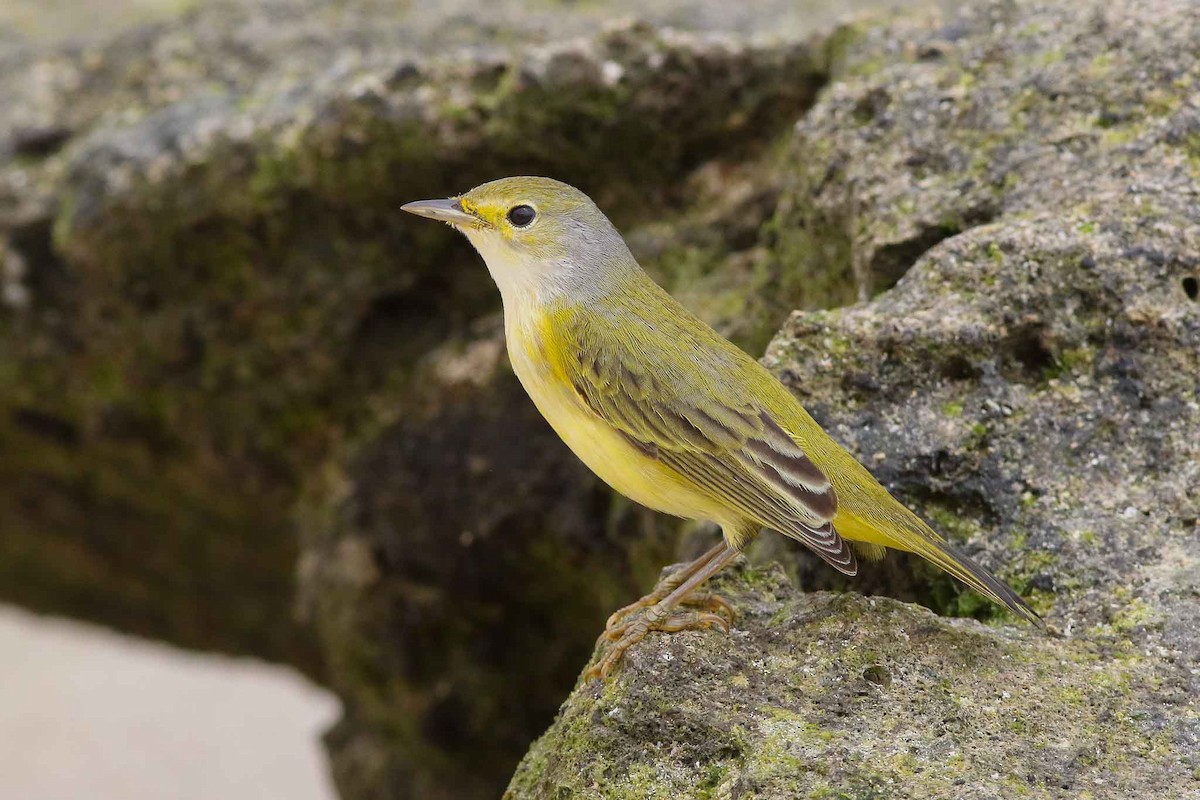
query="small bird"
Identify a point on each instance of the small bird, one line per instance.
(670, 413)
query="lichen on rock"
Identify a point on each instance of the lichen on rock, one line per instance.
(823, 695)
(1013, 189)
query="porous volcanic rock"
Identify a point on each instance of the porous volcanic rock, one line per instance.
(1020, 181)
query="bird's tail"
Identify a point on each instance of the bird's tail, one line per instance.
(901, 529)
(981, 580)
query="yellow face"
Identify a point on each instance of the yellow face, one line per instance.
(512, 217)
(537, 235)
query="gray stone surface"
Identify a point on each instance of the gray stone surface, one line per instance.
(825, 695)
(1021, 184)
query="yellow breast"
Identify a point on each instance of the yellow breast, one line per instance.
(618, 463)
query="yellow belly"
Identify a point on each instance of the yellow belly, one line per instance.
(618, 463)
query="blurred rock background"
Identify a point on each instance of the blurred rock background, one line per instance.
(245, 406)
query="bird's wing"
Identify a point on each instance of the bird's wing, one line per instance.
(733, 450)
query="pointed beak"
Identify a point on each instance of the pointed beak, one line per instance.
(449, 211)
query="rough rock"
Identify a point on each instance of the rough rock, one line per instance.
(825, 695)
(1020, 181)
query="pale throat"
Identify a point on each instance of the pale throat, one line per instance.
(524, 283)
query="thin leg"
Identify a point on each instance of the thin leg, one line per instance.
(667, 585)
(660, 617)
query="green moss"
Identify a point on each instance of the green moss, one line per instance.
(1160, 101)
(812, 258)
(1191, 147)
(950, 598)
(839, 48)
(1075, 360)
(839, 345)
(950, 524)
(1046, 58)
(1072, 695)
(979, 432)
(1134, 614)
(712, 777)
(813, 730)
(761, 579)
(1101, 65)
(1119, 136)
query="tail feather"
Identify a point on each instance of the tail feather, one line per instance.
(981, 580)
(893, 525)
(867, 551)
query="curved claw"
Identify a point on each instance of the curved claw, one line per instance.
(683, 621)
(712, 603)
(627, 634)
(621, 613)
(709, 602)
(692, 620)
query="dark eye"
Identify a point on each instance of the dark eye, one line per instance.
(521, 215)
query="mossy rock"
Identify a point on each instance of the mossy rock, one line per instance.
(1024, 371)
(824, 695)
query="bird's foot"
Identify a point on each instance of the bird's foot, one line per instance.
(620, 637)
(615, 618)
(713, 604)
(667, 585)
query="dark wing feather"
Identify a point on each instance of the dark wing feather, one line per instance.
(738, 453)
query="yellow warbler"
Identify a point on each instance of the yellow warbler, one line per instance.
(667, 411)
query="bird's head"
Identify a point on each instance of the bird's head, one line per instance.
(537, 235)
